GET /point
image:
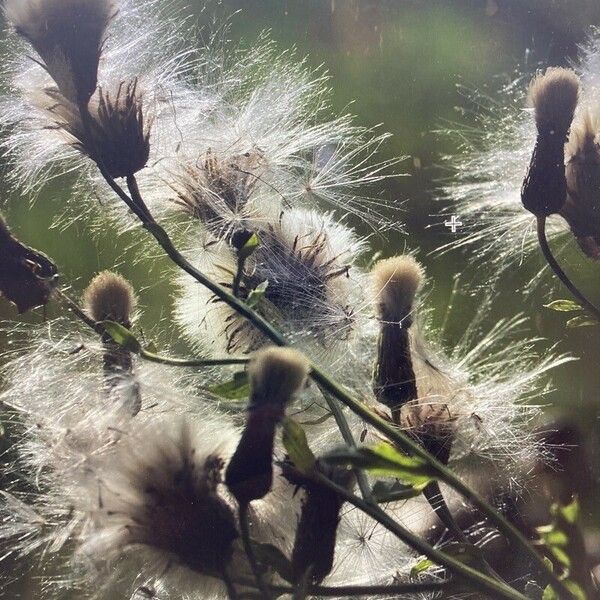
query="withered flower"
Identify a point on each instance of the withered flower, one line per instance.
(316, 535)
(395, 283)
(68, 35)
(554, 97)
(27, 277)
(276, 375)
(120, 129)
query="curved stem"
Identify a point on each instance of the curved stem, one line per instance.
(256, 570)
(320, 377)
(553, 263)
(192, 362)
(490, 587)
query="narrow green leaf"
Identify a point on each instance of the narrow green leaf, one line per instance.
(563, 306)
(420, 567)
(249, 247)
(296, 445)
(122, 336)
(385, 461)
(581, 321)
(392, 491)
(550, 594)
(569, 512)
(237, 388)
(257, 294)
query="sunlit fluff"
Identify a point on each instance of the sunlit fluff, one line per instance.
(306, 260)
(215, 103)
(488, 173)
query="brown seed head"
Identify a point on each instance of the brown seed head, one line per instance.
(110, 297)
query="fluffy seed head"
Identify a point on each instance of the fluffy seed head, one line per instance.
(68, 35)
(276, 374)
(110, 297)
(396, 281)
(120, 129)
(554, 96)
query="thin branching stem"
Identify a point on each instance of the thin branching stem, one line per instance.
(553, 263)
(396, 436)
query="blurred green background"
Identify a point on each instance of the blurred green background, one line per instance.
(395, 62)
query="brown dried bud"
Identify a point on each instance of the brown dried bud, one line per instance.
(27, 277)
(276, 374)
(395, 283)
(314, 545)
(554, 97)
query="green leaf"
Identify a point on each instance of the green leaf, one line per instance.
(581, 321)
(249, 247)
(257, 294)
(392, 491)
(550, 594)
(296, 445)
(569, 512)
(420, 567)
(122, 336)
(563, 306)
(276, 559)
(237, 388)
(385, 461)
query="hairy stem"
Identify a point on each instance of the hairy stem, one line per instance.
(553, 263)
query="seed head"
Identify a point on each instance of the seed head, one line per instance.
(120, 130)
(554, 95)
(110, 297)
(396, 281)
(554, 98)
(68, 35)
(276, 375)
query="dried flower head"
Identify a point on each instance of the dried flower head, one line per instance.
(110, 297)
(582, 208)
(68, 35)
(395, 283)
(218, 191)
(119, 139)
(276, 375)
(554, 96)
(316, 535)
(27, 277)
(302, 277)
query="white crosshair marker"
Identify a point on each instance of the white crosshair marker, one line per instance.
(453, 223)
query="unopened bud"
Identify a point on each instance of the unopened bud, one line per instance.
(554, 97)
(276, 375)
(395, 284)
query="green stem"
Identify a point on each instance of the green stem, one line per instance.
(445, 474)
(192, 362)
(553, 263)
(344, 427)
(491, 587)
